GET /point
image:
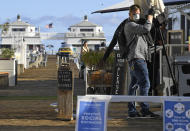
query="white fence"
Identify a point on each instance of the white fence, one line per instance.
(123, 98)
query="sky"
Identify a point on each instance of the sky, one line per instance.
(62, 13)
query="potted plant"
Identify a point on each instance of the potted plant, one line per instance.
(98, 75)
(7, 53)
(4, 27)
(91, 59)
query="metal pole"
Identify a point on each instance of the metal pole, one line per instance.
(161, 80)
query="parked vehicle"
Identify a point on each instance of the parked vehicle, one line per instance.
(65, 50)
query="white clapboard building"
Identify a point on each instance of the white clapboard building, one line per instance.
(23, 38)
(179, 19)
(85, 31)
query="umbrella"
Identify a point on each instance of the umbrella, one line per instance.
(124, 5)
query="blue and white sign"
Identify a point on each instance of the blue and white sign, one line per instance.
(176, 115)
(91, 115)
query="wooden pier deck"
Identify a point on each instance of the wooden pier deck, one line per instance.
(26, 107)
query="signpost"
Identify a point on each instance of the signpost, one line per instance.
(65, 92)
(119, 79)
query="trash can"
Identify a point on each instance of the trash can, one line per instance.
(182, 73)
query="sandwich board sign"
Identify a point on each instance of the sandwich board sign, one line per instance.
(91, 114)
(176, 115)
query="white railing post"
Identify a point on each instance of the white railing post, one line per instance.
(85, 79)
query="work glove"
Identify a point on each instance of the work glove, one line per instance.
(151, 11)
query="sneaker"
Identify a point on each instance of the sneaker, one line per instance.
(135, 114)
(148, 114)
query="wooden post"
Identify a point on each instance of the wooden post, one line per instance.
(65, 92)
(65, 105)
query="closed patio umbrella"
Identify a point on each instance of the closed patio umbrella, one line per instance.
(124, 5)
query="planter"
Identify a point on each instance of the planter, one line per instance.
(4, 79)
(99, 78)
(7, 53)
(1, 58)
(92, 60)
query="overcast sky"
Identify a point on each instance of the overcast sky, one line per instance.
(62, 13)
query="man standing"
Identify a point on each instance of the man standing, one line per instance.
(132, 35)
(135, 34)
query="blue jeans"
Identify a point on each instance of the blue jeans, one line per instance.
(139, 78)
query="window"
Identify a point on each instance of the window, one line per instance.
(18, 29)
(86, 30)
(30, 47)
(5, 46)
(176, 37)
(170, 23)
(188, 29)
